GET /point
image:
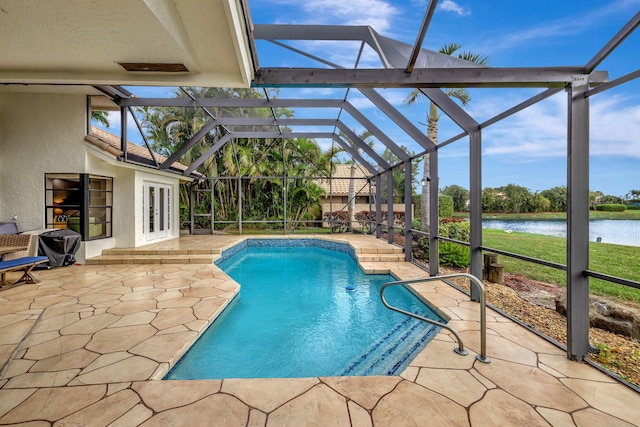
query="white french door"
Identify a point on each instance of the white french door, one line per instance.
(157, 209)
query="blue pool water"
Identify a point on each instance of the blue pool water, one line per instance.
(294, 317)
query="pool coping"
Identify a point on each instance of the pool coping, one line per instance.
(78, 304)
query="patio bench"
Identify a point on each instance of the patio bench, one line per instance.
(24, 264)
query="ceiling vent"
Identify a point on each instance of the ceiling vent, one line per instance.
(150, 67)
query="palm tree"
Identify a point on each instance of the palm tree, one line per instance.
(100, 117)
(433, 116)
(351, 205)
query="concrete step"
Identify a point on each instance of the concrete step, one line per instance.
(151, 259)
(134, 251)
(381, 257)
(381, 250)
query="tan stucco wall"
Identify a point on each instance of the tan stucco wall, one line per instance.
(123, 207)
(39, 133)
(44, 133)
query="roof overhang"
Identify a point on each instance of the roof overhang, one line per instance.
(86, 41)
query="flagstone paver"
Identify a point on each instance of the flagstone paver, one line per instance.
(88, 344)
(500, 408)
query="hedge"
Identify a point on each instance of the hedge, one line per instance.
(611, 207)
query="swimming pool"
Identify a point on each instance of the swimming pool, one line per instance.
(296, 316)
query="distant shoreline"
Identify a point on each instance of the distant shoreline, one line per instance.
(593, 215)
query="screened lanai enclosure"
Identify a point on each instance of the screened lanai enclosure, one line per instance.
(303, 148)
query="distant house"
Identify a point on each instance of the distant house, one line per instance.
(337, 191)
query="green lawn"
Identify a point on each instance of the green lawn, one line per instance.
(615, 260)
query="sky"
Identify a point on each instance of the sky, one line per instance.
(528, 148)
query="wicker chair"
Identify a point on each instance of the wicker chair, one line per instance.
(28, 240)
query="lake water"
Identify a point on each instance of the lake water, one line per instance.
(619, 232)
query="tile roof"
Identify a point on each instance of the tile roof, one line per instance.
(134, 152)
(340, 184)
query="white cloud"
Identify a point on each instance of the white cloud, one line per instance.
(452, 6)
(376, 13)
(614, 127)
(540, 130)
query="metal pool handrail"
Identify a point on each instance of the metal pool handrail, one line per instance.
(482, 357)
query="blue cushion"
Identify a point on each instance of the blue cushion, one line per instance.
(8, 228)
(22, 261)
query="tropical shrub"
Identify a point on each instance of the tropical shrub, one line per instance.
(459, 195)
(454, 255)
(445, 206)
(611, 207)
(455, 228)
(451, 254)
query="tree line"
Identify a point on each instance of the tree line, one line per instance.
(514, 198)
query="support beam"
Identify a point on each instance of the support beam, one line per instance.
(451, 109)
(424, 77)
(375, 131)
(354, 153)
(434, 247)
(144, 138)
(232, 102)
(252, 134)
(399, 119)
(521, 106)
(408, 217)
(624, 32)
(613, 83)
(417, 47)
(578, 222)
(204, 130)
(378, 206)
(475, 208)
(210, 152)
(363, 145)
(390, 230)
(123, 132)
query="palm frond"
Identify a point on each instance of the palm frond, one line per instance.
(414, 96)
(460, 94)
(476, 58)
(450, 49)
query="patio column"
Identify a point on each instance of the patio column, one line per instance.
(578, 220)
(390, 206)
(191, 212)
(123, 132)
(434, 215)
(378, 206)
(408, 214)
(239, 204)
(475, 207)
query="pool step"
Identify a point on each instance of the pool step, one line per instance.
(154, 256)
(141, 251)
(392, 353)
(381, 250)
(381, 257)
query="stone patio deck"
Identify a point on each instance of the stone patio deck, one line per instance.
(88, 345)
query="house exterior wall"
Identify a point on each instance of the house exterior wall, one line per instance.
(44, 133)
(39, 133)
(123, 206)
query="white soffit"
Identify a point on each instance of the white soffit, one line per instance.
(84, 42)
